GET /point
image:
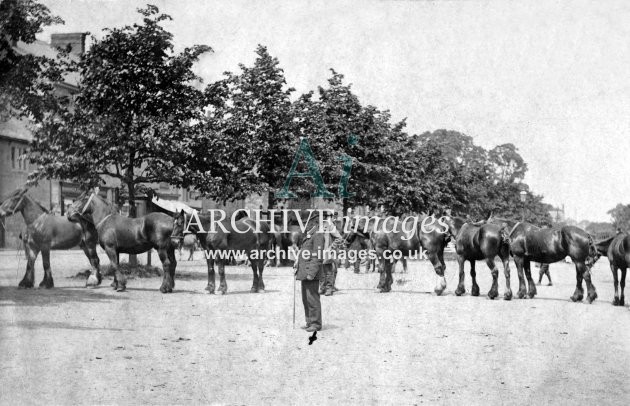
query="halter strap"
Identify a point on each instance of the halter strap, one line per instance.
(87, 203)
(15, 208)
(102, 221)
(514, 228)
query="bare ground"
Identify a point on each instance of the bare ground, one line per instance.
(72, 345)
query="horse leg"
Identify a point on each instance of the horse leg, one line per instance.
(120, 281)
(613, 269)
(383, 277)
(95, 277)
(222, 282)
(404, 264)
(520, 265)
(47, 282)
(578, 295)
(591, 292)
(171, 255)
(494, 290)
(622, 283)
(390, 279)
(254, 264)
(506, 271)
(28, 280)
(166, 268)
(474, 291)
(440, 283)
(461, 289)
(528, 274)
(211, 277)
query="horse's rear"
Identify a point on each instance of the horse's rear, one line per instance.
(618, 253)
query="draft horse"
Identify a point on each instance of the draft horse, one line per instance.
(476, 242)
(401, 244)
(118, 234)
(219, 245)
(530, 243)
(617, 249)
(46, 232)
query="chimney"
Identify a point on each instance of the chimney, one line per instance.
(75, 41)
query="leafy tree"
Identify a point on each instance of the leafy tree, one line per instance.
(133, 112)
(507, 164)
(247, 140)
(26, 80)
(621, 216)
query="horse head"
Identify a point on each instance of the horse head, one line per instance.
(454, 225)
(13, 203)
(179, 225)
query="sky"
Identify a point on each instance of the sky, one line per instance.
(550, 77)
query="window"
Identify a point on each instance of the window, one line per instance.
(13, 158)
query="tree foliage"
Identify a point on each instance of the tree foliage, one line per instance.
(133, 113)
(620, 215)
(26, 80)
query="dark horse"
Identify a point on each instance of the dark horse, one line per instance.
(617, 249)
(47, 232)
(481, 241)
(222, 243)
(530, 243)
(119, 234)
(398, 244)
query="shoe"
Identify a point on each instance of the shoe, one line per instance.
(312, 329)
(304, 327)
(329, 292)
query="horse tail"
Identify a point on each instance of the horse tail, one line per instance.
(593, 253)
(505, 236)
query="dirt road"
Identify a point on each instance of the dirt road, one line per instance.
(72, 345)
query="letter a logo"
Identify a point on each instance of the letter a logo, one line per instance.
(304, 151)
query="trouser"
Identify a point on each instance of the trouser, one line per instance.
(312, 304)
(544, 270)
(329, 277)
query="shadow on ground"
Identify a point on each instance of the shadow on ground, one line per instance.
(13, 296)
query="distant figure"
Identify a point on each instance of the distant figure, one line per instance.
(544, 270)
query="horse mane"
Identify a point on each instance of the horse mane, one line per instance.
(40, 205)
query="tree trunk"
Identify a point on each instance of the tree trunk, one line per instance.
(133, 259)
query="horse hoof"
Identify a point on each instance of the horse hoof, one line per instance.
(615, 301)
(121, 289)
(92, 281)
(622, 302)
(492, 295)
(507, 296)
(521, 294)
(46, 284)
(474, 292)
(223, 292)
(253, 290)
(591, 298)
(460, 291)
(578, 298)
(25, 284)
(209, 292)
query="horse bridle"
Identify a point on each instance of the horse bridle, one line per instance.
(87, 204)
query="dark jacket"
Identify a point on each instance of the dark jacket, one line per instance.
(313, 265)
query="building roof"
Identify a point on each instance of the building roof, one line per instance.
(41, 48)
(15, 129)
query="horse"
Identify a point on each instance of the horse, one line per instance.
(219, 244)
(617, 249)
(547, 245)
(47, 232)
(481, 241)
(285, 242)
(190, 244)
(118, 234)
(390, 240)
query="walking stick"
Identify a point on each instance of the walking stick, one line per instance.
(293, 302)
